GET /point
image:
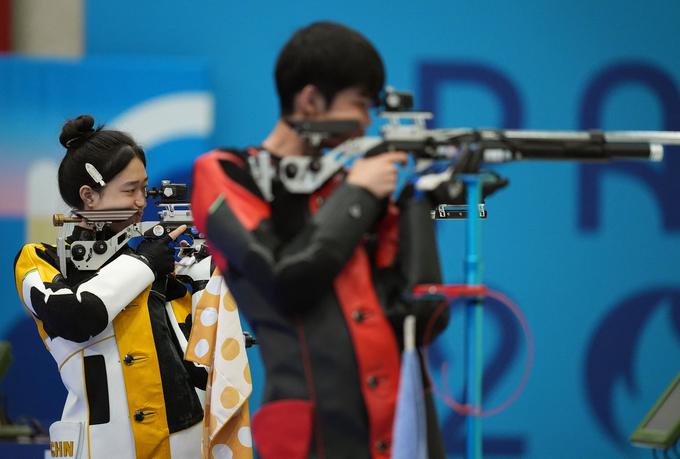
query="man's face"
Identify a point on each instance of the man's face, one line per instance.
(350, 104)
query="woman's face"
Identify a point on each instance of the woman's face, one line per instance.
(127, 190)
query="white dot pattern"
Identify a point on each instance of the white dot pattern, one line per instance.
(202, 348)
(219, 344)
(222, 451)
(209, 317)
(244, 437)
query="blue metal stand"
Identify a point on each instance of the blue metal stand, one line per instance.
(474, 318)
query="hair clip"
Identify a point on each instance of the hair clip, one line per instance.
(73, 140)
(94, 173)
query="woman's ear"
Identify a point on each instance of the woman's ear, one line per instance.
(88, 196)
(309, 102)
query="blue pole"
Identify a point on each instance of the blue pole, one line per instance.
(473, 319)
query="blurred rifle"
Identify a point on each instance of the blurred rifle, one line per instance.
(443, 155)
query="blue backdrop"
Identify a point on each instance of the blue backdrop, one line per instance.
(590, 253)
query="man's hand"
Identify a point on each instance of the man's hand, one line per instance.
(377, 174)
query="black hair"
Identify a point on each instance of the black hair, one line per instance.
(330, 56)
(108, 151)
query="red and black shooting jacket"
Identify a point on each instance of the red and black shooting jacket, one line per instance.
(323, 281)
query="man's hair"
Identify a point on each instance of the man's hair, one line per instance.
(331, 57)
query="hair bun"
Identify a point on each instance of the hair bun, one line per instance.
(76, 129)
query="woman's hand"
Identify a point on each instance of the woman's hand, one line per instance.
(158, 252)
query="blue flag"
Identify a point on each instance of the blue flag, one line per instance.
(410, 422)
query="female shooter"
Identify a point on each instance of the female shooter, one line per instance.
(115, 333)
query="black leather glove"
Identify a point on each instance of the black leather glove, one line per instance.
(159, 255)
